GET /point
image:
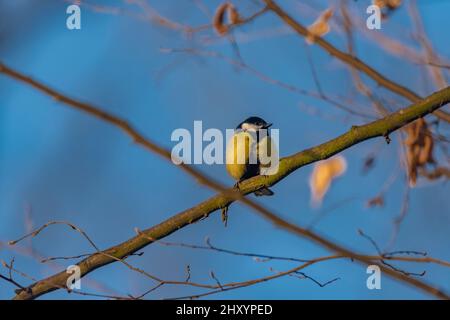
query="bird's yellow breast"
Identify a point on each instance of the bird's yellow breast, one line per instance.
(240, 149)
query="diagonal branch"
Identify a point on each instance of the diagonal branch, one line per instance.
(357, 134)
(351, 60)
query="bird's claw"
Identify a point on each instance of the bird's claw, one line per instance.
(225, 215)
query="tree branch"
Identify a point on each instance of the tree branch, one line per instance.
(352, 60)
(288, 164)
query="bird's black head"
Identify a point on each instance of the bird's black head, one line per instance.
(253, 123)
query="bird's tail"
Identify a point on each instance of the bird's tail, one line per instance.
(264, 192)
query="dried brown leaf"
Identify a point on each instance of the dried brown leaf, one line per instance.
(376, 202)
(229, 10)
(320, 27)
(419, 148)
(323, 174)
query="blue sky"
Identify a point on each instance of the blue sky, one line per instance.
(60, 164)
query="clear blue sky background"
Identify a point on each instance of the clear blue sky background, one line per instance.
(66, 165)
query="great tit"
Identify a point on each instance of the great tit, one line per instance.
(245, 149)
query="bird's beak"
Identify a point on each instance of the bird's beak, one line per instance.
(267, 126)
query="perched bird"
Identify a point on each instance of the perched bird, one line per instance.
(245, 151)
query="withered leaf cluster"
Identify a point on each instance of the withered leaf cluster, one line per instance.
(419, 148)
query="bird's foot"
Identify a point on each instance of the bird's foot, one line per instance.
(225, 215)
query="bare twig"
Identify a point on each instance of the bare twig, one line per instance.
(351, 60)
(240, 64)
